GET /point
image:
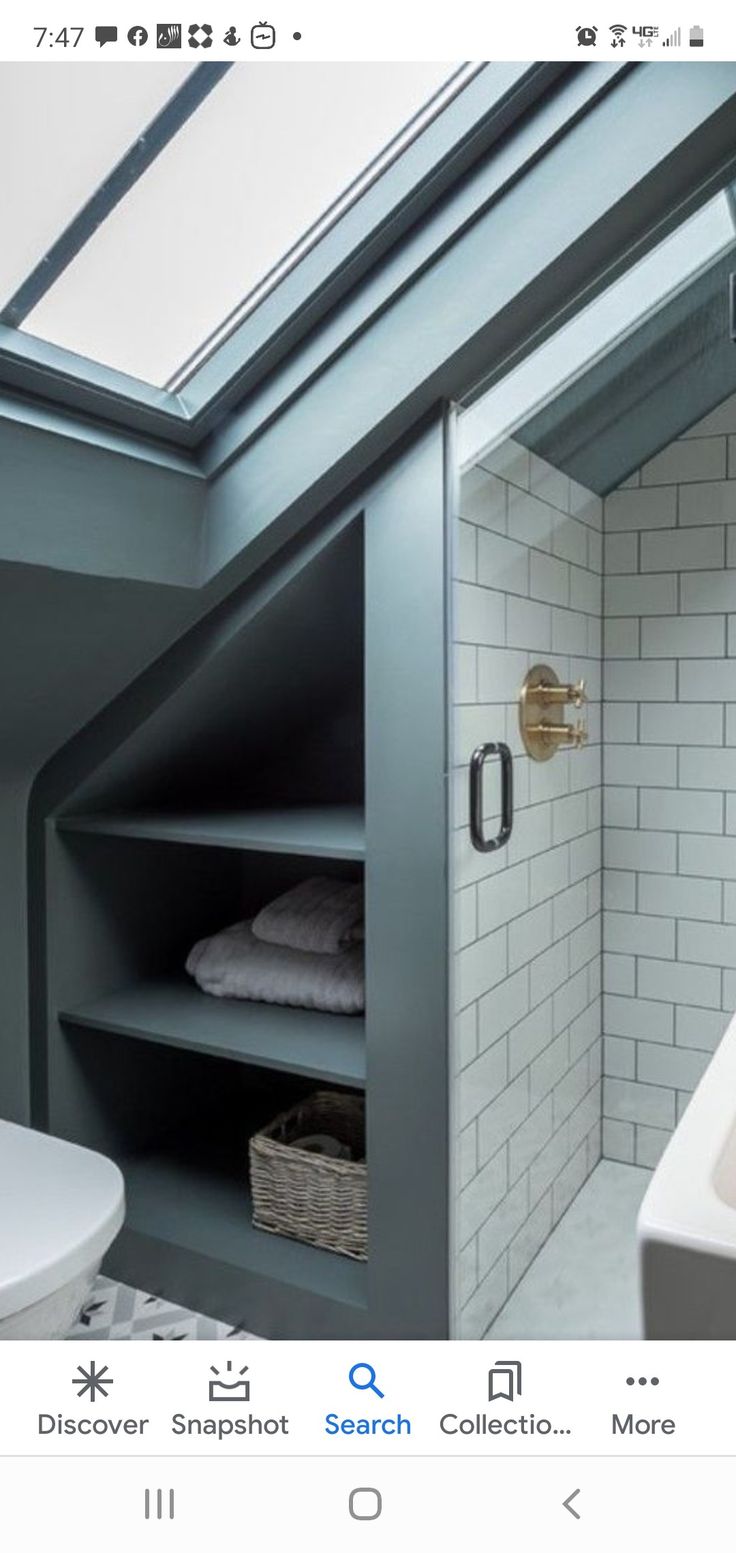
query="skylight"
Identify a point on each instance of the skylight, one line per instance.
(264, 165)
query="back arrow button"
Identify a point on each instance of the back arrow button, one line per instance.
(567, 1503)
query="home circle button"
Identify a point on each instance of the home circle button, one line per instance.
(365, 1504)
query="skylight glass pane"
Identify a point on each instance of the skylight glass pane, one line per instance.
(241, 183)
(64, 127)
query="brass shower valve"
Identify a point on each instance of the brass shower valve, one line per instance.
(548, 694)
(541, 713)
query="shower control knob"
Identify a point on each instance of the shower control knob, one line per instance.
(577, 693)
(578, 735)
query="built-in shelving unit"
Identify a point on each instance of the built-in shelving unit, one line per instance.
(319, 830)
(172, 1011)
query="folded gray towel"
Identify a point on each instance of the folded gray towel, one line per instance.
(236, 964)
(321, 916)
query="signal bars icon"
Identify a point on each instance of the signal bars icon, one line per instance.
(674, 41)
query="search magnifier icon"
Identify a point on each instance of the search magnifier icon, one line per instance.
(363, 1378)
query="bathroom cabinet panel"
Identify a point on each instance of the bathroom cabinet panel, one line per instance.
(302, 731)
(173, 1012)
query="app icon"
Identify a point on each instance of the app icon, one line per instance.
(262, 36)
(504, 1380)
(229, 1388)
(105, 35)
(168, 35)
(91, 1380)
(363, 1378)
(137, 36)
(231, 38)
(200, 35)
(586, 37)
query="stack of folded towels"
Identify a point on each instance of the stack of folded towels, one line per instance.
(305, 950)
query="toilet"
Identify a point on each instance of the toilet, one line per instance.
(62, 1207)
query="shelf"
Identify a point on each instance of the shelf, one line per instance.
(321, 830)
(173, 1012)
(208, 1211)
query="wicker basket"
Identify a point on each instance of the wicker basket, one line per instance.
(308, 1196)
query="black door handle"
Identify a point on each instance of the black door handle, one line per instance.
(477, 762)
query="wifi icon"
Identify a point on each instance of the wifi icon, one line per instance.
(618, 31)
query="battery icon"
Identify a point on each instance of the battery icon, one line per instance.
(696, 37)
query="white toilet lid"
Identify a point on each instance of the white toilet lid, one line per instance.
(61, 1206)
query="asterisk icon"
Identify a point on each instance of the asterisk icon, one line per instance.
(92, 1381)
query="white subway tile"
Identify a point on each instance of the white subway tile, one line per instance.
(481, 1081)
(650, 1145)
(638, 765)
(569, 817)
(680, 810)
(685, 722)
(472, 724)
(500, 673)
(465, 916)
(585, 942)
(479, 615)
(729, 992)
(621, 722)
(655, 594)
(529, 520)
(549, 579)
(529, 935)
(618, 1141)
(548, 1068)
(532, 833)
(627, 1101)
(707, 944)
(464, 552)
(619, 1057)
(585, 1031)
(466, 1155)
(502, 563)
(502, 1008)
(683, 637)
(595, 552)
(570, 909)
(569, 631)
(480, 967)
(585, 591)
(548, 1164)
(707, 593)
(503, 1116)
(585, 856)
(708, 768)
(480, 1196)
(529, 1138)
(621, 554)
(620, 807)
(549, 873)
(465, 1037)
(476, 1317)
(572, 1088)
(717, 423)
(621, 638)
(650, 681)
(570, 1180)
(549, 971)
(647, 851)
(569, 539)
(550, 484)
(511, 461)
(570, 1000)
(483, 499)
(674, 1066)
(528, 625)
(626, 932)
(695, 458)
(619, 889)
(638, 1019)
(530, 1037)
(619, 974)
(530, 1239)
(502, 897)
(699, 1027)
(708, 857)
(677, 982)
(710, 679)
(682, 550)
(548, 779)
(636, 509)
(586, 506)
(699, 899)
(712, 502)
(464, 673)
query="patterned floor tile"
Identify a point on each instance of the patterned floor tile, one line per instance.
(115, 1311)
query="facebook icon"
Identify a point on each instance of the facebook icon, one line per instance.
(137, 36)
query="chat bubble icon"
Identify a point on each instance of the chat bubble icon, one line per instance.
(105, 35)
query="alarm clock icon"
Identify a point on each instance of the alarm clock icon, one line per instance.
(262, 36)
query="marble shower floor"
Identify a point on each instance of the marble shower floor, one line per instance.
(583, 1283)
